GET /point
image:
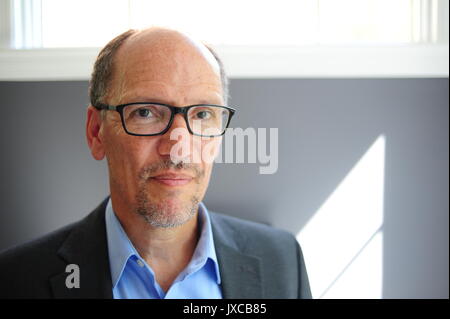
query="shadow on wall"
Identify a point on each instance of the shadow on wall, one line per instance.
(362, 175)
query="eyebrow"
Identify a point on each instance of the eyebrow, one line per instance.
(156, 100)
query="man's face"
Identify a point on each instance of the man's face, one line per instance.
(144, 179)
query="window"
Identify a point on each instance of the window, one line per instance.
(91, 23)
(291, 38)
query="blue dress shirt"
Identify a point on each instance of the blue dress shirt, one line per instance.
(133, 278)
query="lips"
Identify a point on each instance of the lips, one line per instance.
(172, 179)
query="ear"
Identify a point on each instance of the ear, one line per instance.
(93, 133)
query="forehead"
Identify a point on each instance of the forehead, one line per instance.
(165, 64)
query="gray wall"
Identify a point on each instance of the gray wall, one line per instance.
(49, 179)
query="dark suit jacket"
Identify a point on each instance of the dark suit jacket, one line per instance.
(256, 261)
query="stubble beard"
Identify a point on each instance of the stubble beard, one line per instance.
(170, 212)
(166, 214)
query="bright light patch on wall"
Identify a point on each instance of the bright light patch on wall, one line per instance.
(342, 242)
(363, 278)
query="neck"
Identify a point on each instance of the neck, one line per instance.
(172, 247)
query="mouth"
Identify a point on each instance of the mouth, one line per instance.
(172, 179)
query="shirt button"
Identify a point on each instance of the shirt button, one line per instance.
(140, 263)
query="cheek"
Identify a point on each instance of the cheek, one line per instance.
(209, 151)
(206, 150)
(208, 170)
(127, 154)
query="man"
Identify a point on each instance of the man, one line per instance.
(153, 237)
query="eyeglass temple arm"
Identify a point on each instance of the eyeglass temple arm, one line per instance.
(101, 106)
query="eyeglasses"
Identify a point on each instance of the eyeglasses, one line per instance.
(148, 118)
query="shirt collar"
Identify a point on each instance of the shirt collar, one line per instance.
(120, 248)
(205, 247)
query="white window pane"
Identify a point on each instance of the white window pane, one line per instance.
(369, 21)
(237, 22)
(75, 23)
(79, 23)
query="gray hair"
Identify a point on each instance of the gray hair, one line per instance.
(101, 77)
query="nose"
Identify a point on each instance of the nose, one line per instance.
(178, 122)
(176, 141)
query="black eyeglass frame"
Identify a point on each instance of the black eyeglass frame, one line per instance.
(174, 111)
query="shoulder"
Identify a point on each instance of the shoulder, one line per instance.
(48, 245)
(283, 273)
(255, 228)
(38, 247)
(253, 237)
(25, 268)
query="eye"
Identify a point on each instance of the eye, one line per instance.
(203, 114)
(144, 113)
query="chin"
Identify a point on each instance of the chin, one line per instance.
(169, 212)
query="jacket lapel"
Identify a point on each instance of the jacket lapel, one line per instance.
(240, 272)
(86, 247)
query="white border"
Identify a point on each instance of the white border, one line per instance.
(251, 62)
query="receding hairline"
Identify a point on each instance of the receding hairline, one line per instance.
(160, 37)
(106, 64)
